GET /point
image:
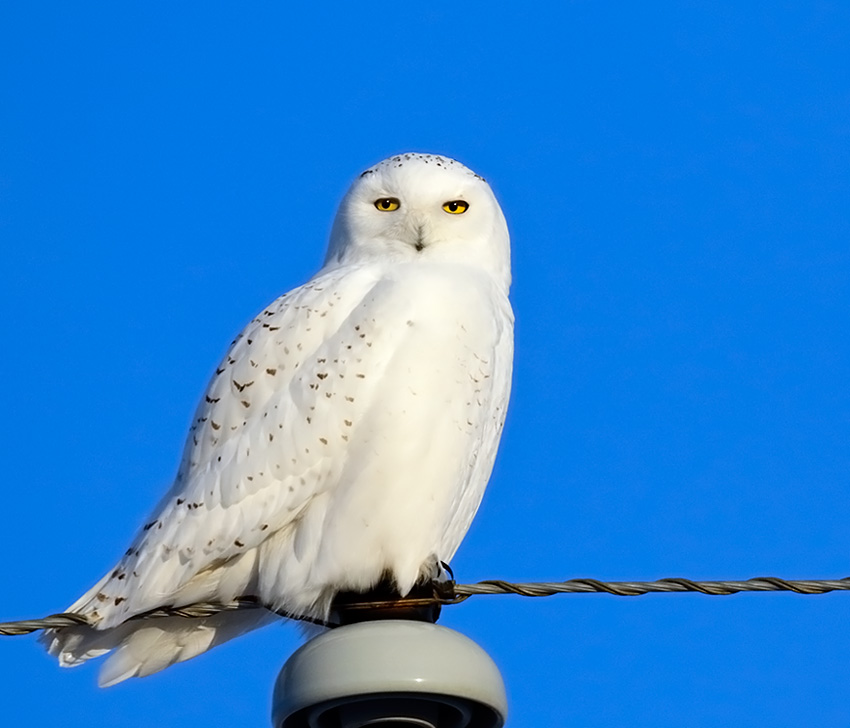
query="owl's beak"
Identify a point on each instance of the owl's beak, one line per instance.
(420, 238)
(414, 231)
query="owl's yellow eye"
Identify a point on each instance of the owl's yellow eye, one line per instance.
(456, 207)
(387, 204)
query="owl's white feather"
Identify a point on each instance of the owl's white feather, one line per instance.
(348, 433)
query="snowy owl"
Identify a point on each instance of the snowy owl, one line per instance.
(346, 437)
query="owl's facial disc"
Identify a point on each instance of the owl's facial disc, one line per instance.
(421, 207)
(418, 201)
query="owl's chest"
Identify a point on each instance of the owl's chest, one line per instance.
(432, 342)
(434, 312)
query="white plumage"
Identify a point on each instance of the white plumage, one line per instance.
(348, 433)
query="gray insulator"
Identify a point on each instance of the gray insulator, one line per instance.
(390, 674)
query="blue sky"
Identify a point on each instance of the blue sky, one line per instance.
(675, 177)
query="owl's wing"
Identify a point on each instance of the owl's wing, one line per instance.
(236, 486)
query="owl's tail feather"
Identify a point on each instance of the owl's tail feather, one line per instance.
(144, 647)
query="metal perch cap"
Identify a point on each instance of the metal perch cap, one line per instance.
(390, 673)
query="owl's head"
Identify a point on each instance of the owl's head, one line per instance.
(421, 207)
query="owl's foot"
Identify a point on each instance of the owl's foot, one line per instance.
(383, 601)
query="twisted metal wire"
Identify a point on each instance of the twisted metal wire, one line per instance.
(669, 585)
(451, 593)
(69, 619)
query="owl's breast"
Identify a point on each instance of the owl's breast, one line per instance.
(430, 357)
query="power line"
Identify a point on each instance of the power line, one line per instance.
(670, 585)
(445, 593)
